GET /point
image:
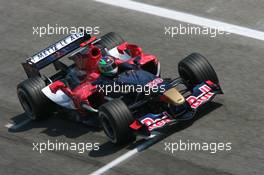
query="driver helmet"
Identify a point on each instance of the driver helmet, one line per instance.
(107, 66)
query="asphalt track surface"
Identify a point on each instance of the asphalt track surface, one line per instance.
(235, 117)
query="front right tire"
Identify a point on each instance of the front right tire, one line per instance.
(195, 69)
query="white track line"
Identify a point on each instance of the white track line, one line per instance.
(115, 162)
(14, 126)
(128, 155)
(185, 17)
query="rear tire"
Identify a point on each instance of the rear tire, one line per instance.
(110, 40)
(34, 102)
(116, 118)
(195, 69)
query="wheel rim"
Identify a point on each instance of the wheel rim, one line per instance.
(107, 127)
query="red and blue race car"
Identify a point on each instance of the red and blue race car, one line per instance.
(149, 104)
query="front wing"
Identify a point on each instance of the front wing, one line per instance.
(201, 94)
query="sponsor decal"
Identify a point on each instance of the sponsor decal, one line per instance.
(196, 101)
(155, 82)
(153, 121)
(55, 47)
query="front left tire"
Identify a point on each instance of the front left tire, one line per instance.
(115, 118)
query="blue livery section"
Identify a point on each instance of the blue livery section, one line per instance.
(201, 94)
(155, 121)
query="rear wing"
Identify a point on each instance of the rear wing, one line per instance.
(54, 52)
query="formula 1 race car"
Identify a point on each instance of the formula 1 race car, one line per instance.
(122, 114)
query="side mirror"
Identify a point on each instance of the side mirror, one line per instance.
(54, 87)
(121, 48)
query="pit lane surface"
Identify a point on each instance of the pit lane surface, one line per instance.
(236, 117)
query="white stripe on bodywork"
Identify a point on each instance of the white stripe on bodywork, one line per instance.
(115, 53)
(59, 98)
